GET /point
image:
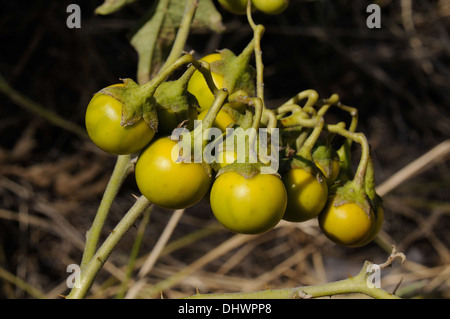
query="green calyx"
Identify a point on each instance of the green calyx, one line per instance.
(351, 192)
(236, 71)
(345, 169)
(302, 158)
(247, 170)
(307, 165)
(242, 120)
(174, 105)
(136, 102)
(325, 156)
(168, 102)
(369, 186)
(369, 179)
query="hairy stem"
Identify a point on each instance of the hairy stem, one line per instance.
(134, 252)
(183, 33)
(357, 284)
(311, 95)
(306, 149)
(89, 273)
(365, 150)
(121, 169)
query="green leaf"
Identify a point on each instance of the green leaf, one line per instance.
(206, 16)
(111, 6)
(156, 33)
(146, 37)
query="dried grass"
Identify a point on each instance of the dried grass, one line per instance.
(51, 180)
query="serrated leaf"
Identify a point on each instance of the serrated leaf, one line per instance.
(111, 6)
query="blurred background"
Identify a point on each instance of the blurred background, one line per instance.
(52, 177)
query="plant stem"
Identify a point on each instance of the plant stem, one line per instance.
(305, 150)
(119, 173)
(89, 273)
(183, 33)
(353, 113)
(258, 31)
(151, 86)
(144, 69)
(205, 69)
(288, 108)
(356, 284)
(259, 107)
(300, 140)
(365, 150)
(134, 252)
(215, 108)
(311, 95)
(268, 116)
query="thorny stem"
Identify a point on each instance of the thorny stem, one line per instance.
(89, 273)
(134, 252)
(361, 283)
(121, 169)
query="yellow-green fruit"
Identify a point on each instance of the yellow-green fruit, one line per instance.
(199, 88)
(226, 158)
(327, 160)
(307, 195)
(248, 205)
(379, 219)
(234, 6)
(169, 183)
(271, 6)
(197, 84)
(346, 224)
(103, 117)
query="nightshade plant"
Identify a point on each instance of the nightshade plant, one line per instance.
(225, 90)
